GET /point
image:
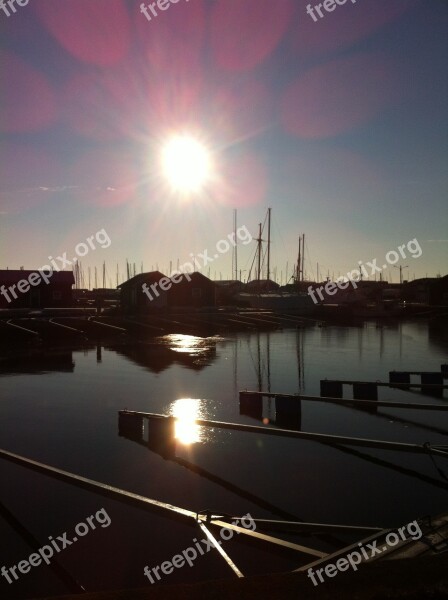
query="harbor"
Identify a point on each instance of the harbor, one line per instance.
(223, 300)
(268, 396)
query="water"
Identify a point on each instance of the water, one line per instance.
(59, 405)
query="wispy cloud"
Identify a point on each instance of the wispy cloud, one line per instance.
(58, 188)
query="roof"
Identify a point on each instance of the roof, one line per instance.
(196, 277)
(428, 281)
(262, 284)
(155, 276)
(141, 278)
(10, 276)
(227, 282)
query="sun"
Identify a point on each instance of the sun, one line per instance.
(186, 163)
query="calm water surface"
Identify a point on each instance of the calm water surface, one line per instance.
(59, 405)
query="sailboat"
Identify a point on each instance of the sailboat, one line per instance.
(265, 293)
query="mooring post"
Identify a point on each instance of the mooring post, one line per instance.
(397, 377)
(330, 389)
(432, 379)
(288, 412)
(251, 405)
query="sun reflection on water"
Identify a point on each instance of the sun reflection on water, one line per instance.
(186, 343)
(186, 411)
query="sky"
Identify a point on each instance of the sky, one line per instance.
(338, 123)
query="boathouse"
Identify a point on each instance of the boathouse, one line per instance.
(192, 290)
(261, 286)
(145, 292)
(35, 289)
(226, 290)
(428, 290)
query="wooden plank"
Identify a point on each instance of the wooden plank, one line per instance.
(434, 530)
(77, 331)
(100, 488)
(355, 402)
(144, 502)
(387, 384)
(268, 538)
(218, 547)
(10, 324)
(313, 437)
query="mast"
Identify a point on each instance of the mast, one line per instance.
(259, 252)
(235, 247)
(269, 244)
(303, 257)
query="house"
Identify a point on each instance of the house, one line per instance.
(154, 291)
(145, 292)
(428, 290)
(191, 290)
(261, 286)
(227, 289)
(36, 289)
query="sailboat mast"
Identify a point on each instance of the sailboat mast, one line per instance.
(235, 247)
(303, 257)
(269, 245)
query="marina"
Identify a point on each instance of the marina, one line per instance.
(255, 372)
(223, 300)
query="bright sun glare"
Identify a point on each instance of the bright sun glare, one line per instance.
(186, 411)
(186, 163)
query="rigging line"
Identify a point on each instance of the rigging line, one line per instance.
(252, 265)
(309, 260)
(278, 231)
(263, 259)
(264, 223)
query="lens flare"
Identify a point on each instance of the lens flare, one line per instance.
(186, 163)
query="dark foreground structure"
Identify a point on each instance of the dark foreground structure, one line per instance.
(412, 579)
(36, 289)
